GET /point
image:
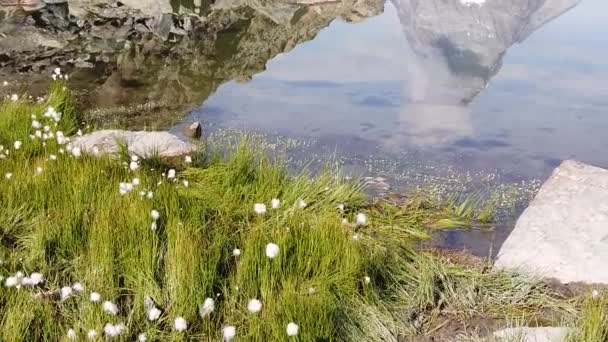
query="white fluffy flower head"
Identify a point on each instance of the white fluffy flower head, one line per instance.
(254, 306)
(110, 307)
(207, 308)
(292, 329)
(153, 314)
(180, 324)
(171, 174)
(91, 334)
(66, 292)
(71, 334)
(94, 297)
(272, 250)
(361, 219)
(259, 208)
(229, 333)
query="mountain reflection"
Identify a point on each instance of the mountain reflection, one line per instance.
(456, 48)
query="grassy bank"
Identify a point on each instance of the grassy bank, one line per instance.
(116, 247)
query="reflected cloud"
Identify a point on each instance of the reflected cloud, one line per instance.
(455, 50)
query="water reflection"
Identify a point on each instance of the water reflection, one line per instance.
(454, 51)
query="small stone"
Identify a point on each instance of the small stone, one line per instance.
(194, 130)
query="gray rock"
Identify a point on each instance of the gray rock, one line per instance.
(541, 334)
(563, 234)
(143, 144)
(194, 130)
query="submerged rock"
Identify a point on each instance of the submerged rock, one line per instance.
(540, 334)
(144, 144)
(563, 234)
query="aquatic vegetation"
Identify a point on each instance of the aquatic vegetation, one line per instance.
(212, 268)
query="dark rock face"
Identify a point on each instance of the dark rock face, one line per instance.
(147, 65)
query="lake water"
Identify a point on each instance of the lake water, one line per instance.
(512, 87)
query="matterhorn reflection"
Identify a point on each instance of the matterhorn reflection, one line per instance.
(455, 48)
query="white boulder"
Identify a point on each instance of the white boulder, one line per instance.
(563, 234)
(143, 144)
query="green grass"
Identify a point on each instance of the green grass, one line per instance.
(338, 282)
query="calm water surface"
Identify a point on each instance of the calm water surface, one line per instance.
(512, 87)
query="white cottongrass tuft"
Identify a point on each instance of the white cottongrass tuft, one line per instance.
(595, 294)
(361, 219)
(110, 308)
(11, 282)
(17, 144)
(292, 329)
(91, 334)
(207, 308)
(341, 207)
(254, 306)
(142, 337)
(367, 280)
(171, 174)
(236, 252)
(259, 208)
(153, 314)
(150, 194)
(136, 181)
(125, 188)
(39, 170)
(78, 287)
(180, 324)
(52, 157)
(36, 124)
(76, 152)
(275, 203)
(33, 280)
(154, 214)
(94, 297)
(112, 330)
(186, 183)
(229, 333)
(134, 158)
(14, 97)
(272, 250)
(8, 175)
(188, 159)
(133, 165)
(71, 334)
(301, 204)
(66, 292)
(312, 290)
(57, 71)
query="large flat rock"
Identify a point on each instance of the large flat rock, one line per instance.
(563, 234)
(541, 334)
(143, 144)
